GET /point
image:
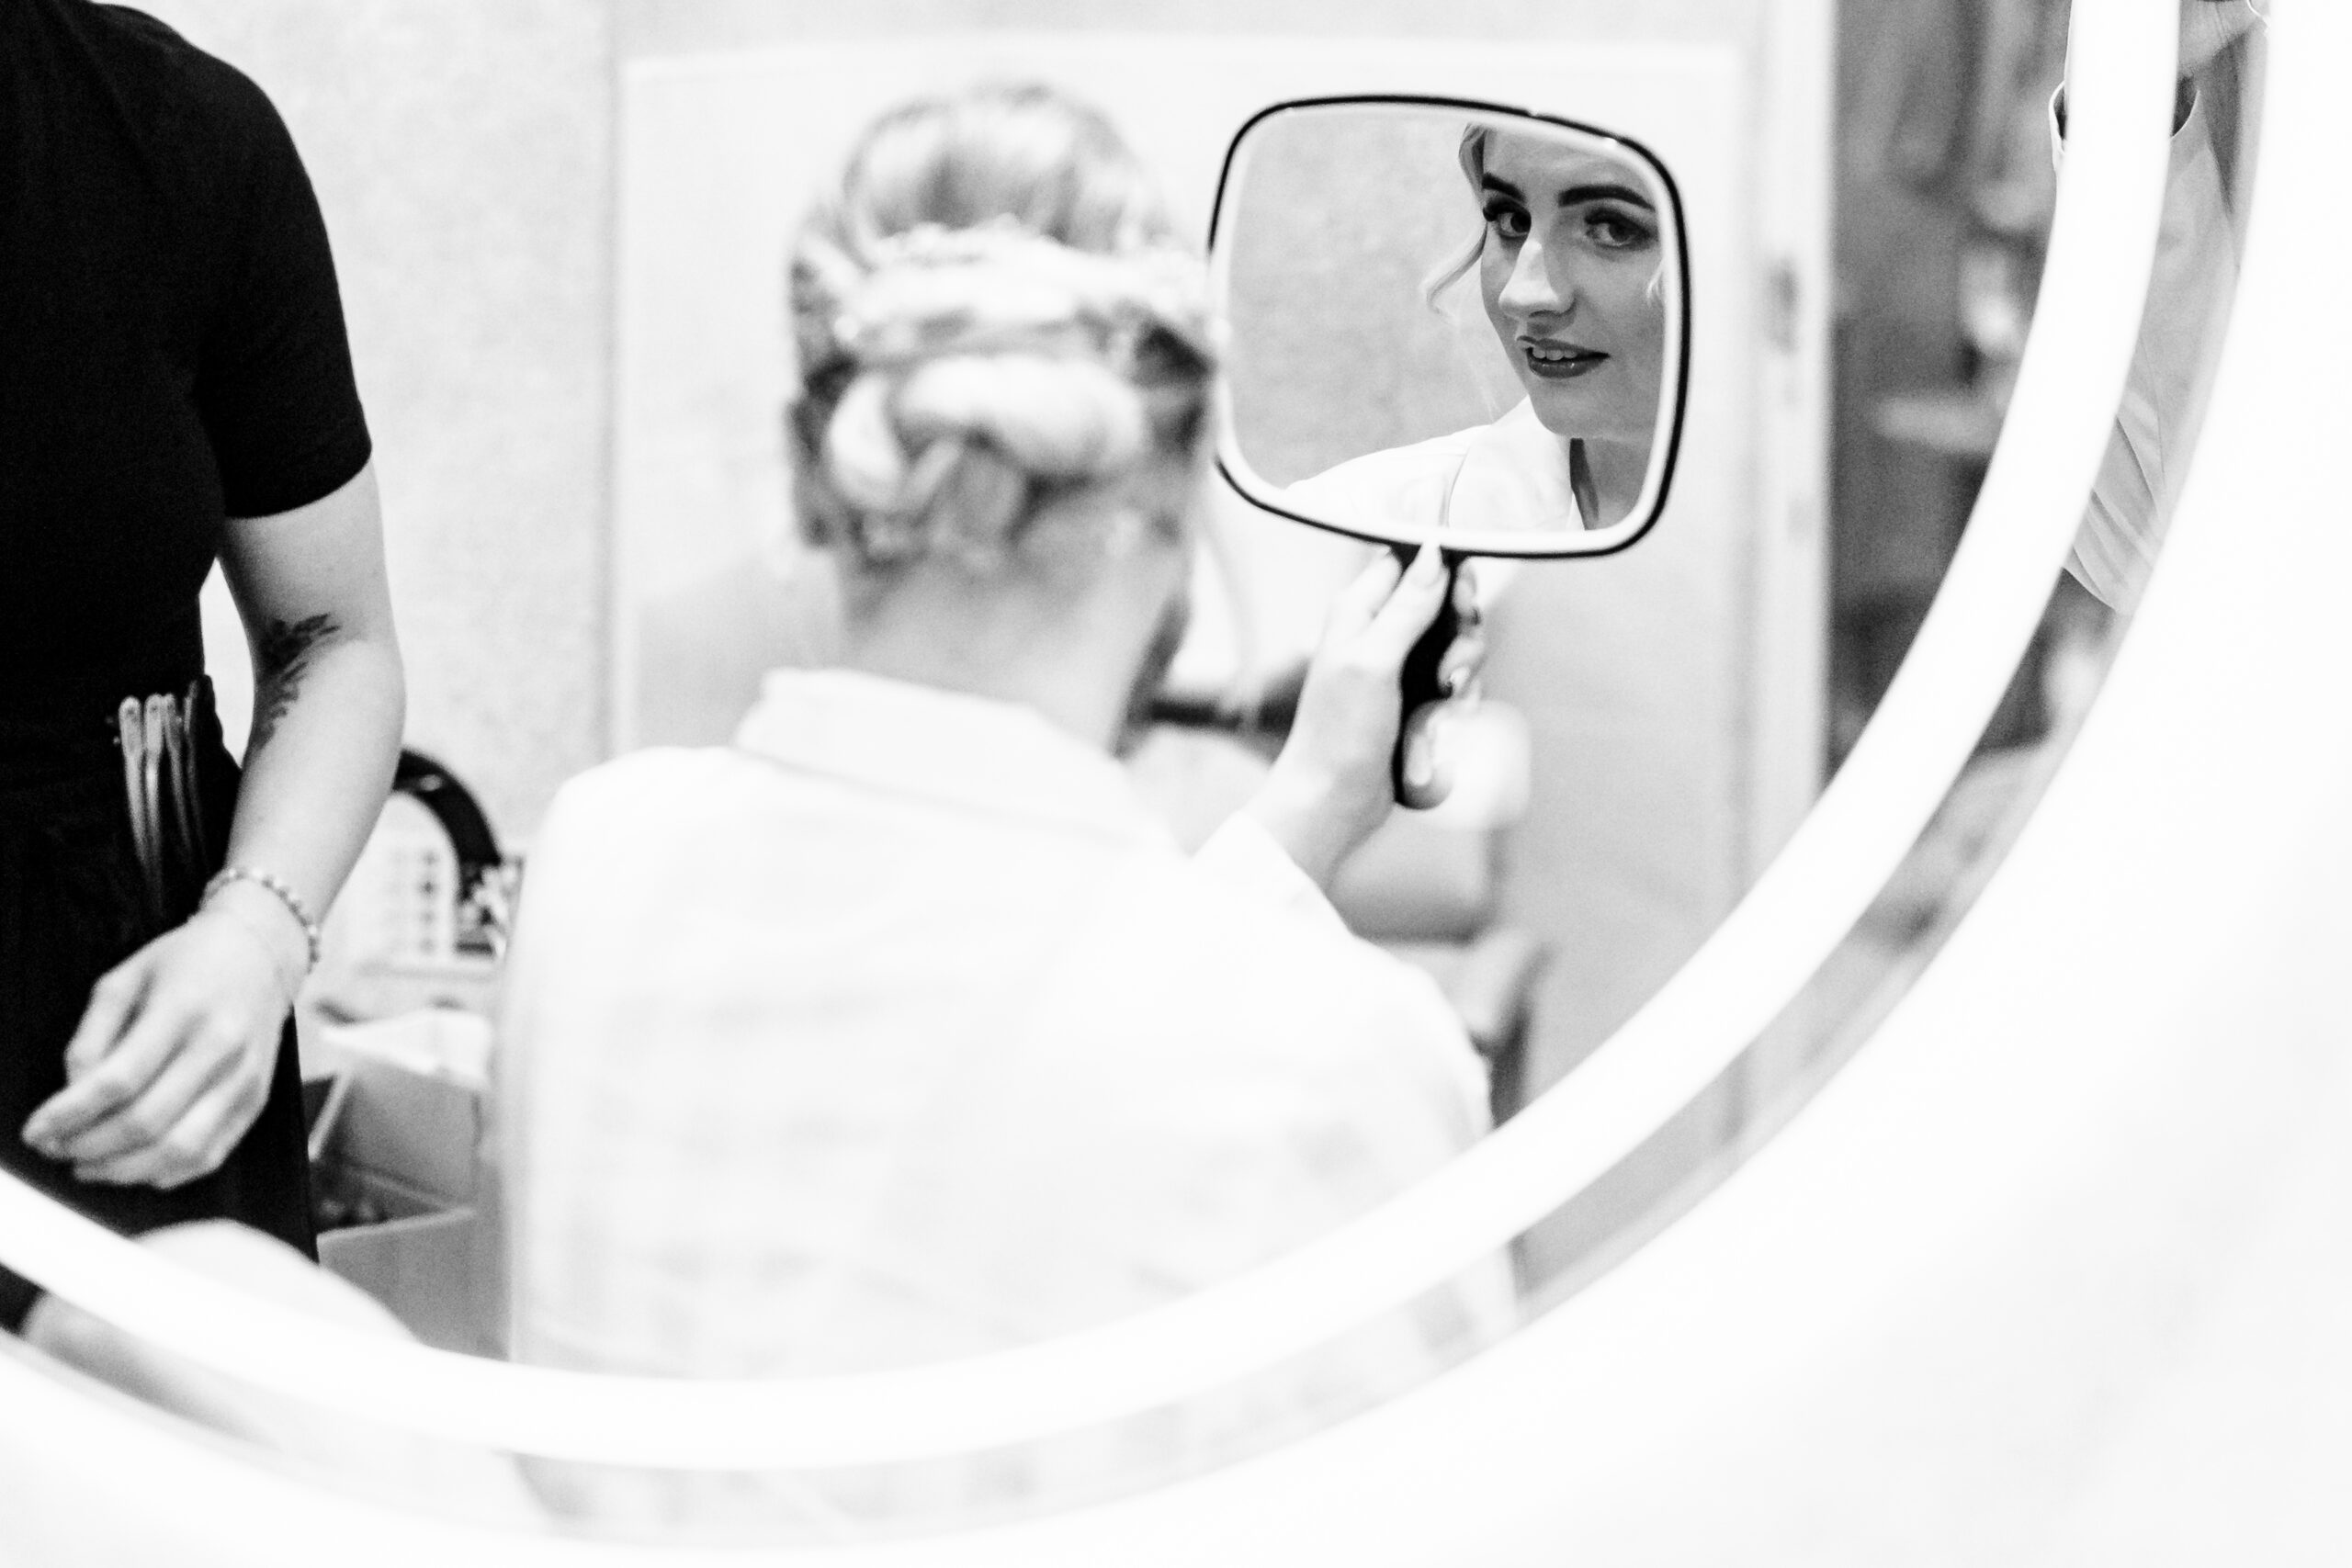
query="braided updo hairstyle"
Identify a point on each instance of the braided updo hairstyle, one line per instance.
(990, 311)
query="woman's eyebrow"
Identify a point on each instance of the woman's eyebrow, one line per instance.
(1577, 196)
(1504, 187)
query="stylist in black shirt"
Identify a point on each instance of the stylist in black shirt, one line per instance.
(176, 387)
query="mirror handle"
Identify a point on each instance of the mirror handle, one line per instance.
(1419, 683)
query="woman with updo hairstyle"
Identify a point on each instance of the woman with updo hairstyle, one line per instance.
(901, 1030)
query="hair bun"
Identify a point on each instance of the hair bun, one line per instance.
(980, 430)
(1058, 419)
(975, 319)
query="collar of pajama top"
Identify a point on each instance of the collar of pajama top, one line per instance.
(1511, 474)
(946, 747)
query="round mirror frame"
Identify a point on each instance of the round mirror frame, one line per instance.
(1705, 1017)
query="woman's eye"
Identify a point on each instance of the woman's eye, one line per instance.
(1510, 222)
(1615, 232)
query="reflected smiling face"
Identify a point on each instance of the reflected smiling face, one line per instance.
(1571, 253)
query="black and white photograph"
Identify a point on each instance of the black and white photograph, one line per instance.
(1018, 783)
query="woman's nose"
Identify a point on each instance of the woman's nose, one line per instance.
(1532, 290)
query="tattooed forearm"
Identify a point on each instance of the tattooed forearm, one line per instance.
(281, 658)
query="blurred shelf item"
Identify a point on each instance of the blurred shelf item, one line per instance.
(422, 921)
(483, 879)
(451, 1044)
(377, 988)
(395, 1178)
(1957, 422)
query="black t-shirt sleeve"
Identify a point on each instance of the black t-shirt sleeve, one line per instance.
(274, 379)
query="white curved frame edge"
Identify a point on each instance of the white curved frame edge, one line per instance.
(1962, 659)
(2052, 1272)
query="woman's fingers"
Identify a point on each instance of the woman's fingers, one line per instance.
(1361, 600)
(1414, 603)
(124, 1074)
(1425, 776)
(208, 1001)
(151, 1117)
(113, 1002)
(196, 1143)
(1466, 657)
(1464, 660)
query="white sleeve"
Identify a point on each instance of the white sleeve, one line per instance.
(2189, 293)
(1242, 856)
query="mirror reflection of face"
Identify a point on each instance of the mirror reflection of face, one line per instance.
(1569, 273)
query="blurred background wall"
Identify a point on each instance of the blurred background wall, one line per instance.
(1945, 191)
(1333, 351)
(462, 153)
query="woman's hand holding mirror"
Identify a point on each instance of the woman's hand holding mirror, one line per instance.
(1440, 675)
(1334, 780)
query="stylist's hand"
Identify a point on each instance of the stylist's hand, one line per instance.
(174, 1057)
(1330, 786)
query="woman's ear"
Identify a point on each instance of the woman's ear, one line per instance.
(800, 462)
(1128, 529)
(804, 438)
(817, 515)
(1170, 493)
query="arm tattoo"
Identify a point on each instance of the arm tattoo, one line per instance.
(282, 656)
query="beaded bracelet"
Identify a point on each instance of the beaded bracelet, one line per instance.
(285, 895)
